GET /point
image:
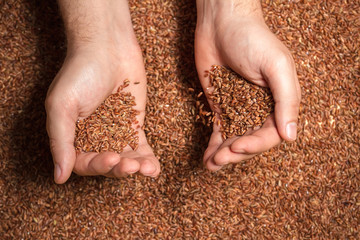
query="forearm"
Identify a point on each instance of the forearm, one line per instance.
(95, 20)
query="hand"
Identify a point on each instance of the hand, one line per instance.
(234, 34)
(87, 77)
(98, 60)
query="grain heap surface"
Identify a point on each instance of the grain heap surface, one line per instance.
(110, 127)
(242, 104)
(308, 189)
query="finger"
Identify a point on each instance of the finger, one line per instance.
(149, 164)
(61, 129)
(92, 163)
(214, 143)
(237, 149)
(258, 141)
(282, 79)
(224, 155)
(125, 167)
(210, 163)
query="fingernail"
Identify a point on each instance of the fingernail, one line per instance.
(291, 130)
(57, 172)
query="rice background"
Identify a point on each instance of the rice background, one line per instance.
(306, 189)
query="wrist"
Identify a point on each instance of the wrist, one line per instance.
(110, 36)
(213, 12)
(96, 23)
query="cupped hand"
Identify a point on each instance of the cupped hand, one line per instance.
(244, 43)
(88, 76)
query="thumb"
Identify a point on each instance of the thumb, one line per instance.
(60, 126)
(284, 85)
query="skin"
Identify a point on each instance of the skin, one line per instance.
(233, 33)
(102, 53)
